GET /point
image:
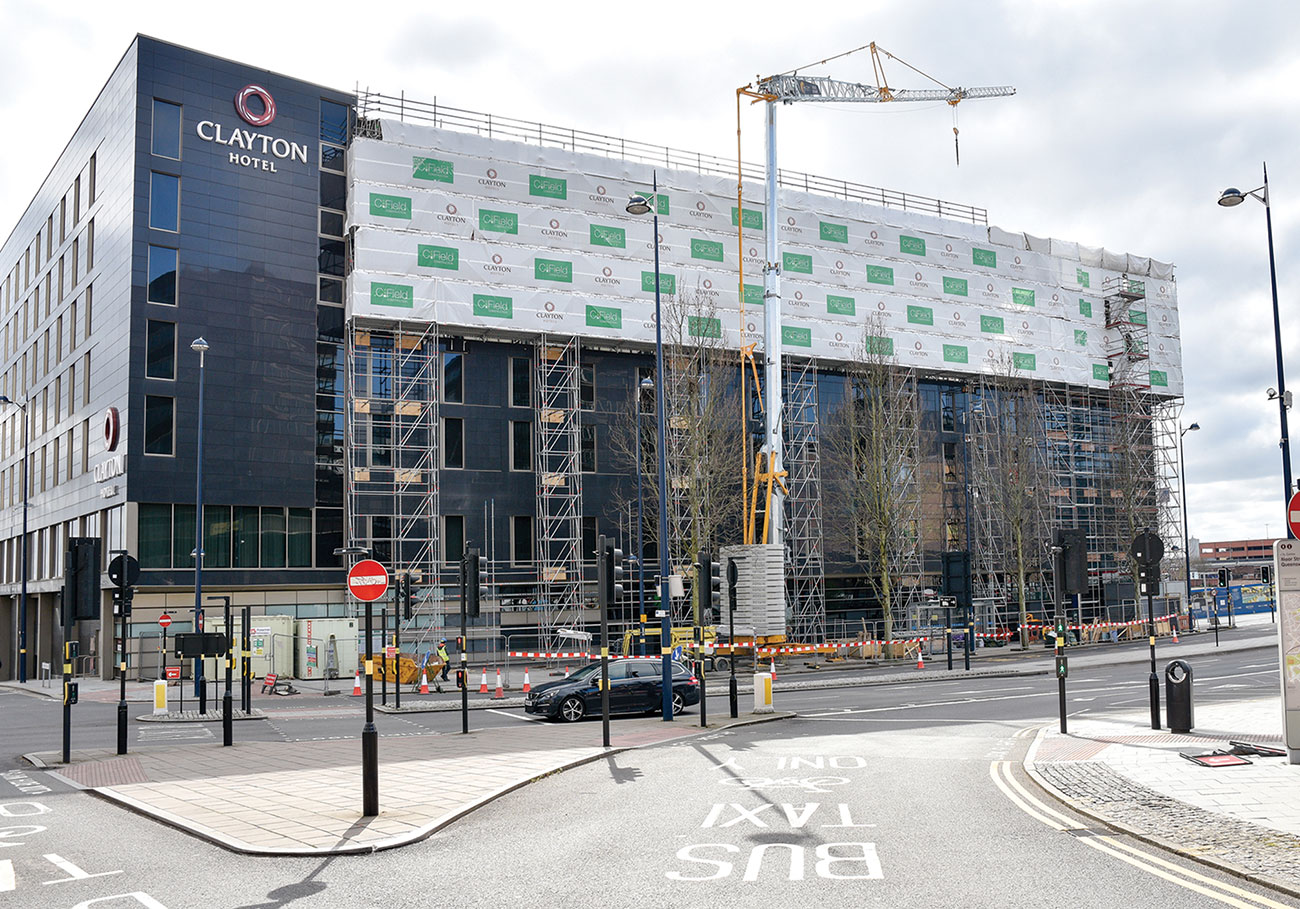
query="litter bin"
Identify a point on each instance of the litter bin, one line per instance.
(1178, 695)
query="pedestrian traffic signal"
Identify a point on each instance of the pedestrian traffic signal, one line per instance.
(1223, 577)
(460, 679)
(1062, 667)
(708, 575)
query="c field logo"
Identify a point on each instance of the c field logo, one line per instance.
(242, 108)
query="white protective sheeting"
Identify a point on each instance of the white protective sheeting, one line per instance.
(515, 239)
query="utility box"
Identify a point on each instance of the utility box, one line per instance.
(270, 643)
(326, 649)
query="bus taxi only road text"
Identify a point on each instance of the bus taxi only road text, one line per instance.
(812, 784)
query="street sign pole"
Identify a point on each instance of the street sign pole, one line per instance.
(733, 579)
(368, 580)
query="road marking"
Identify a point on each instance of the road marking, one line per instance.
(74, 873)
(6, 875)
(1138, 858)
(513, 716)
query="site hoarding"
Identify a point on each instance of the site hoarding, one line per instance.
(503, 236)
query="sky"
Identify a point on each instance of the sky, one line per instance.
(1128, 121)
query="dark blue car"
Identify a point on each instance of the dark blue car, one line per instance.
(635, 686)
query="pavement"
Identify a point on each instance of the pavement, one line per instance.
(277, 798)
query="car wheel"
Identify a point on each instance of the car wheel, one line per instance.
(572, 709)
(679, 703)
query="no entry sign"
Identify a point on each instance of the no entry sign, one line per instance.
(368, 580)
(164, 620)
(1293, 514)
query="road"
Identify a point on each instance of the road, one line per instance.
(903, 795)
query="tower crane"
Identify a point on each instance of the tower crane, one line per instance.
(790, 88)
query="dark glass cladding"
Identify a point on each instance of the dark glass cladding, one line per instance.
(164, 201)
(162, 275)
(333, 123)
(160, 350)
(159, 423)
(166, 139)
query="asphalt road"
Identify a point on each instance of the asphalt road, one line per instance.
(901, 795)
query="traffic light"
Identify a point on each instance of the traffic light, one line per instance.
(1074, 559)
(1223, 577)
(404, 594)
(460, 679)
(1148, 579)
(473, 588)
(1266, 574)
(733, 581)
(616, 573)
(122, 597)
(708, 575)
(1062, 667)
(956, 575)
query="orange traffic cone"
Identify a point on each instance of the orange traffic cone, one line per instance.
(1175, 634)
(424, 683)
(356, 685)
(566, 672)
(772, 668)
(527, 685)
(920, 660)
(482, 685)
(500, 691)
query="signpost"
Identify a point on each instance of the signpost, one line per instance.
(1286, 572)
(165, 622)
(1147, 550)
(123, 571)
(368, 581)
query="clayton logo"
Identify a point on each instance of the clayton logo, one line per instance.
(250, 92)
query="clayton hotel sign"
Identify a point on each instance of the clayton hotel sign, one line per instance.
(256, 150)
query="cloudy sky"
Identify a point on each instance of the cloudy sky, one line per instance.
(1129, 119)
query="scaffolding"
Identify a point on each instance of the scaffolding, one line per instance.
(683, 390)
(392, 442)
(807, 582)
(559, 484)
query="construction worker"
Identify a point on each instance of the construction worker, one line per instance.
(442, 655)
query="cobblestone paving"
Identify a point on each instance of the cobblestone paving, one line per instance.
(1097, 789)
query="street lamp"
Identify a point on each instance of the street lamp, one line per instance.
(1187, 540)
(369, 734)
(1230, 198)
(647, 384)
(200, 347)
(22, 597)
(639, 205)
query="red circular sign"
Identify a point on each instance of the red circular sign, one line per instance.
(368, 580)
(1293, 514)
(164, 620)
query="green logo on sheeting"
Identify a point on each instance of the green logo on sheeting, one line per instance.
(553, 270)
(433, 169)
(955, 353)
(667, 283)
(878, 346)
(879, 274)
(913, 246)
(796, 337)
(1082, 277)
(614, 237)
(841, 306)
(753, 294)
(920, 315)
(796, 262)
(502, 222)
(1160, 377)
(1026, 361)
(1135, 287)
(704, 327)
(385, 206)
(438, 257)
(1085, 308)
(985, 257)
(1080, 337)
(1101, 371)
(835, 233)
(494, 307)
(1022, 297)
(992, 325)
(710, 250)
(548, 187)
(753, 219)
(604, 316)
(399, 295)
(1137, 317)
(955, 286)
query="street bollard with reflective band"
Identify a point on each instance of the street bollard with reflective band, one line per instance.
(1178, 696)
(763, 692)
(160, 697)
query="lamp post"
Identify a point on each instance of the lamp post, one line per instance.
(22, 596)
(200, 346)
(1187, 540)
(647, 384)
(1228, 198)
(639, 205)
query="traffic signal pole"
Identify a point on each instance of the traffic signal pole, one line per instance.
(604, 585)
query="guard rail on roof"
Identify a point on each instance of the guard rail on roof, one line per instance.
(372, 106)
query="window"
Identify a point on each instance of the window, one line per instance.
(521, 445)
(331, 158)
(334, 122)
(453, 378)
(950, 462)
(331, 291)
(587, 387)
(166, 142)
(272, 537)
(948, 406)
(333, 191)
(453, 537)
(587, 456)
(453, 442)
(160, 350)
(331, 223)
(216, 536)
(521, 539)
(589, 535)
(246, 528)
(159, 424)
(299, 535)
(162, 276)
(90, 255)
(331, 258)
(155, 537)
(164, 203)
(521, 382)
(645, 388)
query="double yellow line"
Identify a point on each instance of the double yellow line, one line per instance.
(1225, 893)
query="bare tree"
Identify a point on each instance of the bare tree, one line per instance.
(870, 475)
